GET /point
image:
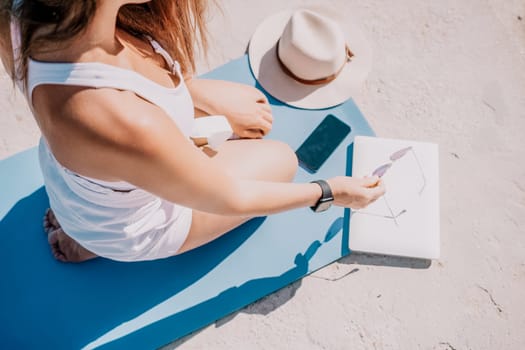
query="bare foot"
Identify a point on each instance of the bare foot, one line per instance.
(50, 222)
(63, 247)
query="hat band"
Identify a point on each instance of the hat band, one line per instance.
(319, 81)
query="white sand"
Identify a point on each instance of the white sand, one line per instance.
(451, 72)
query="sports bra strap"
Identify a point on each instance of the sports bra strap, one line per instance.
(174, 65)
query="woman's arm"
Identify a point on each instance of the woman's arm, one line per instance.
(246, 108)
(137, 142)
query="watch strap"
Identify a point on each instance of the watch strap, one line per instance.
(326, 195)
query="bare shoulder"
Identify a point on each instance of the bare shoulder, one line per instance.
(109, 113)
(92, 131)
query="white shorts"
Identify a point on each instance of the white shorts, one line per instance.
(122, 225)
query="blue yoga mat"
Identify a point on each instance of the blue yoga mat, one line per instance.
(111, 305)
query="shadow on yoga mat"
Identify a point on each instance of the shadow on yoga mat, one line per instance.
(107, 304)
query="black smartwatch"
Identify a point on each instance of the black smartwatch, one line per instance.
(326, 199)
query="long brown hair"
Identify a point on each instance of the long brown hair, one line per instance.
(5, 41)
(178, 25)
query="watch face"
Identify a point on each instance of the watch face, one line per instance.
(323, 206)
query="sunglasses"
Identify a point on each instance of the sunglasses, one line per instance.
(381, 171)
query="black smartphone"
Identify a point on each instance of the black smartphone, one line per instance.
(322, 142)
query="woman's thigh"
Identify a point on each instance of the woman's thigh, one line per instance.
(248, 159)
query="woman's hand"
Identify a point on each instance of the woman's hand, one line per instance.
(356, 193)
(246, 108)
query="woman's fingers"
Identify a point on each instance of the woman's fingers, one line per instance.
(260, 97)
(373, 189)
(262, 128)
(266, 107)
(252, 134)
(356, 193)
(266, 126)
(370, 181)
(263, 123)
(377, 190)
(267, 116)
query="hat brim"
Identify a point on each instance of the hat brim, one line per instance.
(266, 69)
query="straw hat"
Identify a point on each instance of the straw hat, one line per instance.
(309, 60)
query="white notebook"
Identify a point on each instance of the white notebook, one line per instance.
(405, 221)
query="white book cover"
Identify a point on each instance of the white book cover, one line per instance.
(405, 221)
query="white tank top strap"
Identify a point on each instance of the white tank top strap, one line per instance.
(173, 64)
(176, 102)
(95, 75)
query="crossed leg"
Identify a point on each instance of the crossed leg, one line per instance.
(249, 159)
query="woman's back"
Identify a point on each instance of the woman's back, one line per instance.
(52, 87)
(114, 210)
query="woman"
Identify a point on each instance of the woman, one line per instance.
(116, 111)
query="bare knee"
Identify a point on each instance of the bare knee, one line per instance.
(268, 160)
(284, 159)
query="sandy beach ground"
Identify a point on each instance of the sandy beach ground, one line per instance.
(450, 72)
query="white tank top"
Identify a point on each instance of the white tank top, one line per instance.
(112, 219)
